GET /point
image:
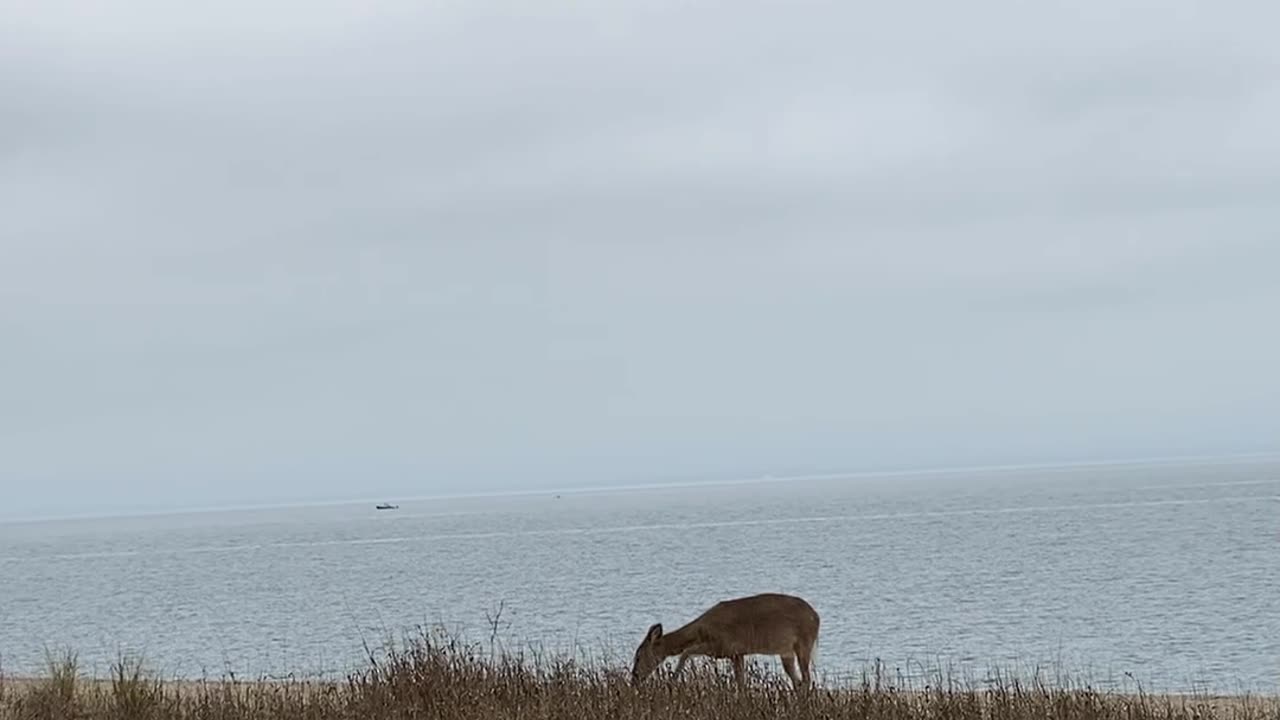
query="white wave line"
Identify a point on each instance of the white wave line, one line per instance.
(1192, 486)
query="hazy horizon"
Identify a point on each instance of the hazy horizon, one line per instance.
(261, 252)
(502, 490)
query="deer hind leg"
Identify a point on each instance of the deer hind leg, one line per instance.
(804, 654)
(789, 664)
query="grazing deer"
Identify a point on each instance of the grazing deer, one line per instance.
(766, 624)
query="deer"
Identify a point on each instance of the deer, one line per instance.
(764, 624)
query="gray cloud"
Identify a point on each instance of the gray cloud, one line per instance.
(257, 253)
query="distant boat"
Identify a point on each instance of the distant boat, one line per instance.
(386, 506)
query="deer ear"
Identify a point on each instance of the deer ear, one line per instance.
(655, 632)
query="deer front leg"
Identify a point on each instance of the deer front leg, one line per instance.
(739, 671)
(688, 653)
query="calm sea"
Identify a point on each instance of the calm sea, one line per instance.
(1164, 574)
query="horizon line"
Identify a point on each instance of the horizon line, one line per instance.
(766, 478)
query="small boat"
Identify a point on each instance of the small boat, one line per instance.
(386, 506)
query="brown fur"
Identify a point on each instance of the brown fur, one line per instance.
(765, 624)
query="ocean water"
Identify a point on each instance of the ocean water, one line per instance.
(1164, 574)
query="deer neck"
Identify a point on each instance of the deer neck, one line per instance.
(677, 641)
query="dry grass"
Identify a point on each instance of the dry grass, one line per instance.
(452, 681)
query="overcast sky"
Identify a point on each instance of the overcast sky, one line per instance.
(256, 252)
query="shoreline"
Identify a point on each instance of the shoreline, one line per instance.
(24, 683)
